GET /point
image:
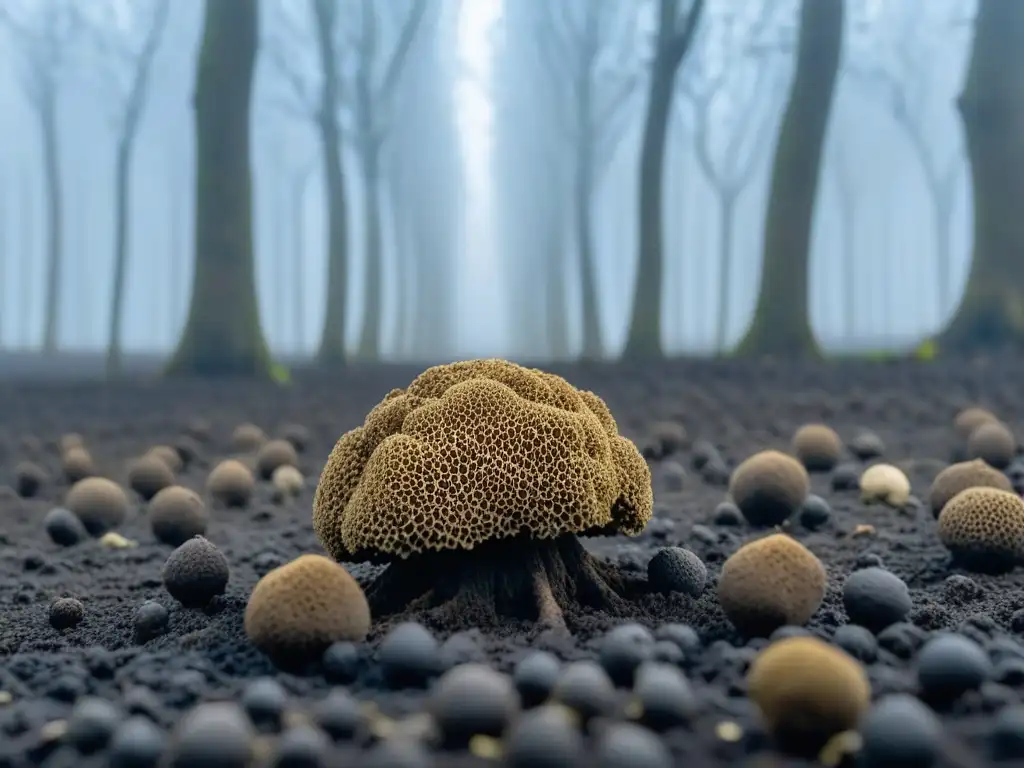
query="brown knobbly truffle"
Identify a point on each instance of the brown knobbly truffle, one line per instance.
(297, 610)
(247, 437)
(196, 572)
(807, 692)
(231, 483)
(768, 487)
(818, 447)
(994, 443)
(983, 528)
(66, 612)
(969, 419)
(479, 450)
(769, 583)
(77, 464)
(148, 475)
(961, 476)
(100, 504)
(176, 514)
(274, 454)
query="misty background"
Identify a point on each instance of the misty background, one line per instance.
(476, 162)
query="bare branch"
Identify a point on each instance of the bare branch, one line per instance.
(280, 46)
(685, 29)
(401, 52)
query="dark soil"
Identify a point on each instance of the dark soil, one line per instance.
(739, 407)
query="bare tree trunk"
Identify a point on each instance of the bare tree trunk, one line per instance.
(53, 224)
(781, 324)
(122, 170)
(726, 219)
(28, 258)
(943, 251)
(373, 286)
(593, 344)
(644, 339)
(299, 250)
(223, 333)
(991, 312)
(555, 295)
(177, 259)
(283, 263)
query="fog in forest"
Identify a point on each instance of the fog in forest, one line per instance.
(490, 150)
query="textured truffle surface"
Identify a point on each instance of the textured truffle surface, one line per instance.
(818, 447)
(984, 528)
(768, 487)
(961, 476)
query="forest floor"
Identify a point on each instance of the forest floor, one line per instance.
(739, 407)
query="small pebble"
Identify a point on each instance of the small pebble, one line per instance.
(301, 746)
(949, 665)
(867, 445)
(213, 735)
(868, 560)
(703, 452)
(962, 589)
(683, 635)
(586, 688)
(665, 697)
(535, 676)
(902, 639)
(857, 641)
(91, 724)
(341, 662)
(137, 743)
(626, 744)
(338, 714)
(151, 620)
(470, 700)
(876, 598)
(196, 572)
(264, 701)
(409, 655)
(623, 649)
(545, 737)
(64, 527)
(846, 477)
(1006, 740)
(66, 612)
(674, 569)
(727, 513)
(673, 476)
(668, 652)
(715, 473)
(814, 512)
(900, 732)
(396, 753)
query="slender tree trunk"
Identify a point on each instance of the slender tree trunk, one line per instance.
(408, 280)
(177, 259)
(283, 262)
(943, 252)
(122, 193)
(299, 261)
(991, 312)
(593, 343)
(29, 258)
(373, 285)
(781, 324)
(847, 245)
(53, 224)
(223, 333)
(644, 339)
(726, 219)
(555, 294)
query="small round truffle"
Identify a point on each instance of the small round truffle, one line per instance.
(768, 487)
(28, 479)
(807, 692)
(622, 744)
(546, 737)
(969, 419)
(814, 512)
(961, 476)
(148, 475)
(247, 438)
(231, 483)
(666, 438)
(138, 742)
(948, 666)
(818, 447)
(176, 514)
(994, 443)
(212, 735)
(900, 732)
(535, 676)
(885, 484)
(983, 528)
(287, 480)
(195, 573)
(769, 583)
(674, 569)
(623, 649)
(297, 435)
(91, 724)
(66, 612)
(409, 655)
(296, 611)
(585, 688)
(77, 464)
(64, 527)
(100, 504)
(70, 440)
(866, 445)
(845, 477)
(151, 620)
(169, 456)
(276, 453)
(664, 694)
(876, 598)
(470, 700)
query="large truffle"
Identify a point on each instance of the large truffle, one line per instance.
(768, 487)
(100, 504)
(983, 528)
(807, 692)
(769, 583)
(296, 611)
(487, 456)
(196, 572)
(818, 447)
(77, 464)
(961, 476)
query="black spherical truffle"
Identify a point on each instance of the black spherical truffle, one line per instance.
(857, 641)
(665, 696)
(875, 598)
(586, 688)
(264, 701)
(196, 572)
(212, 735)
(674, 569)
(626, 744)
(472, 699)
(64, 527)
(623, 649)
(66, 612)
(950, 665)
(138, 742)
(151, 620)
(409, 655)
(535, 676)
(545, 737)
(900, 732)
(91, 724)
(814, 512)
(341, 662)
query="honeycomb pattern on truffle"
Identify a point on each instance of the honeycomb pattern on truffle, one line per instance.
(804, 685)
(818, 447)
(768, 487)
(984, 522)
(304, 606)
(961, 476)
(478, 450)
(771, 582)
